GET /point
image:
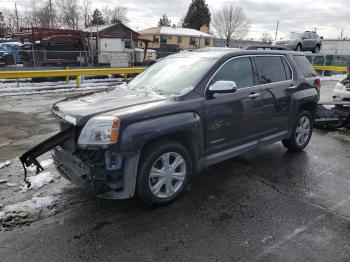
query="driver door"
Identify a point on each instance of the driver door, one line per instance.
(233, 119)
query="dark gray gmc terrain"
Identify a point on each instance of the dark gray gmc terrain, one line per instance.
(184, 113)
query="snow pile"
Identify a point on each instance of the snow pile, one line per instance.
(333, 77)
(6, 163)
(27, 211)
(37, 181)
(45, 163)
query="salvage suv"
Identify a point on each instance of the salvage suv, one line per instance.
(190, 110)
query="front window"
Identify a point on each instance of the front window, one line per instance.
(192, 41)
(239, 70)
(173, 75)
(207, 41)
(163, 39)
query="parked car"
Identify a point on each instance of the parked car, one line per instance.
(341, 91)
(306, 41)
(9, 53)
(186, 112)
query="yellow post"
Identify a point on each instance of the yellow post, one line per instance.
(78, 81)
(67, 77)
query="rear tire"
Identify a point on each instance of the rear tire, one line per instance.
(164, 171)
(316, 50)
(302, 133)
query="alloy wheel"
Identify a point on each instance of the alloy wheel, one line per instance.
(303, 131)
(167, 175)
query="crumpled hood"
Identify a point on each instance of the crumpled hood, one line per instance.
(80, 109)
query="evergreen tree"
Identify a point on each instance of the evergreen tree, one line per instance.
(198, 15)
(97, 18)
(164, 21)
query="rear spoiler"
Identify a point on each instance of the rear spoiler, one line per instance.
(30, 157)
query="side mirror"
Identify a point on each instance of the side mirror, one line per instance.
(222, 87)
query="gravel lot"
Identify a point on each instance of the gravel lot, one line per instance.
(267, 205)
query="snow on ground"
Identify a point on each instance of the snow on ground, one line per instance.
(45, 163)
(333, 77)
(6, 163)
(10, 88)
(37, 181)
(27, 211)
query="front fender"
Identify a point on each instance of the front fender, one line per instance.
(134, 136)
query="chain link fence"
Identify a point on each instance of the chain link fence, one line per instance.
(54, 59)
(328, 60)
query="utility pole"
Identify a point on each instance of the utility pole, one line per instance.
(278, 23)
(17, 23)
(51, 18)
(341, 33)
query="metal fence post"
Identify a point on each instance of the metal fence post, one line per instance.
(78, 81)
(15, 61)
(67, 77)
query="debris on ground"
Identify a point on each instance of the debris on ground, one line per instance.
(340, 135)
(27, 211)
(4, 164)
(37, 181)
(11, 184)
(45, 163)
(3, 181)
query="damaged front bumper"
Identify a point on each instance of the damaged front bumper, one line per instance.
(112, 174)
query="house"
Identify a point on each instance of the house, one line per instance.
(166, 40)
(114, 43)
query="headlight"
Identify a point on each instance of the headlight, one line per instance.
(100, 130)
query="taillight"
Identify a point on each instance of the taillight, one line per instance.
(318, 83)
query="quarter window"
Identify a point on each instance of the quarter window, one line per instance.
(305, 66)
(238, 70)
(271, 69)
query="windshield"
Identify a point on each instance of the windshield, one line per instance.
(173, 75)
(292, 36)
(4, 47)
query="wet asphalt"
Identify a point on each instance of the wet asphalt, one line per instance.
(268, 205)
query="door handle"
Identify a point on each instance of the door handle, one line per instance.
(292, 87)
(253, 95)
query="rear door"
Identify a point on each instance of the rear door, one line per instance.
(276, 84)
(233, 119)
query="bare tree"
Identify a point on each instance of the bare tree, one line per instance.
(118, 14)
(86, 4)
(69, 13)
(9, 20)
(266, 38)
(231, 22)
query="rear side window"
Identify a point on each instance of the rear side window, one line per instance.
(238, 70)
(305, 67)
(271, 69)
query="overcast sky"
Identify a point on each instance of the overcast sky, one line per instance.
(328, 17)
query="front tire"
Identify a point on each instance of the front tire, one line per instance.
(302, 133)
(299, 48)
(163, 173)
(9, 60)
